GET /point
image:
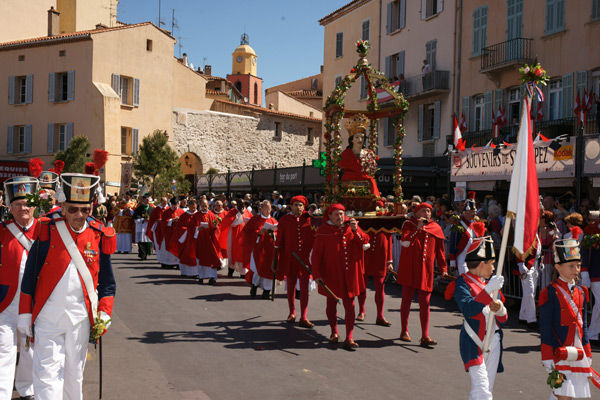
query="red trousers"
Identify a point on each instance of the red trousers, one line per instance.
(379, 296)
(424, 298)
(331, 311)
(291, 294)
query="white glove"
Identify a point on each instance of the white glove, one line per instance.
(523, 269)
(452, 263)
(502, 311)
(495, 283)
(106, 318)
(548, 364)
(366, 246)
(24, 325)
(585, 279)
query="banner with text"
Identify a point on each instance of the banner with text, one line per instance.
(486, 165)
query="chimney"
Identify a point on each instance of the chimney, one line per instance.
(184, 61)
(321, 69)
(208, 70)
(53, 22)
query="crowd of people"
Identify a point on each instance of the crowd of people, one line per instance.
(305, 244)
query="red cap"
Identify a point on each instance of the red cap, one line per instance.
(423, 205)
(301, 199)
(332, 208)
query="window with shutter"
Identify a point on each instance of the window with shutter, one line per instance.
(555, 16)
(567, 95)
(12, 83)
(479, 30)
(366, 27)
(29, 89)
(136, 92)
(420, 126)
(487, 116)
(70, 86)
(466, 109)
(581, 82)
(595, 10)
(51, 86)
(339, 44)
(437, 113)
(134, 141)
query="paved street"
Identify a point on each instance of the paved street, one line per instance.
(174, 339)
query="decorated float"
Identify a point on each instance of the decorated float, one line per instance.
(350, 168)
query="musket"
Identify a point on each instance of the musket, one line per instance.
(320, 282)
(274, 268)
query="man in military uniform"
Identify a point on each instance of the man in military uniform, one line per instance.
(68, 287)
(16, 238)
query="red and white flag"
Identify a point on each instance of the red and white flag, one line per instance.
(457, 140)
(463, 123)
(539, 116)
(581, 109)
(523, 196)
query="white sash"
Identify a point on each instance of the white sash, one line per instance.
(20, 236)
(77, 259)
(468, 328)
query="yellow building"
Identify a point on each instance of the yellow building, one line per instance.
(113, 85)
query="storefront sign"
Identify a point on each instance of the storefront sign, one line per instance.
(484, 165)
(10, 169)
(289, 176)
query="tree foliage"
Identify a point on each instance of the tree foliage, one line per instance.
(157, 165)
(75, 155)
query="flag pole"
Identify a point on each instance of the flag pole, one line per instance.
(490, 323)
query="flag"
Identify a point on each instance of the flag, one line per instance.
(457, 140)
(523, 196)
(580, 109)
(588, 101)
(539, 116)
(463, 123)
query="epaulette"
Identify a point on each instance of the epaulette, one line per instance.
(44, 220)
(98, 226)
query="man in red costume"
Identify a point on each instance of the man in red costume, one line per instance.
(207, 245)
(16, 237)
(337, 262)
(294, 234)
(153, 231)
(230, 236)
(220, 213)
(259, 249)
(183, 244)
(378, 261)
(423, 244)
(167, 227)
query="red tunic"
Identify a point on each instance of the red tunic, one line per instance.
(337, 259)
(260, 246)
(353, 170)
(207, 245)
(166, 231)
(294, 234)
(416, 264)
(222, 243)
(179, 228)
(10, 261)
(225, 229)
(155, 216)
(378, 255)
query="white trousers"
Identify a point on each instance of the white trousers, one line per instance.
(206, 272)
(594, 327)
(483, 376)
(59, 359)
(8, 359)
(529, 284)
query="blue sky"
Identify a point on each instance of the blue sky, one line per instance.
(285, 34)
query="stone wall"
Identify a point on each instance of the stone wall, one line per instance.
(239, 142)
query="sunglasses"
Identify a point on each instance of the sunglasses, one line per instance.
(74, 210)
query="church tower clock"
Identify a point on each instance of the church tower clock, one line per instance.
(243, 72)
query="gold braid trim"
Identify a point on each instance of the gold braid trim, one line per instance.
(530, 250)
(511, 215)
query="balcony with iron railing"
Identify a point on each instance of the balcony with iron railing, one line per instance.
(501, 55)
(550, 129)
(423, 85)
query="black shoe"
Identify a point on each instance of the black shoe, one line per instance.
(144, 258)
(266, 294)
(230, 273)
(523, 322)
(212, 281)
(253, 290)
(242, 276)
(200, 281)
(163, 265)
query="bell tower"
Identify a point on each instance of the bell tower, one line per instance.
(243, 72)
